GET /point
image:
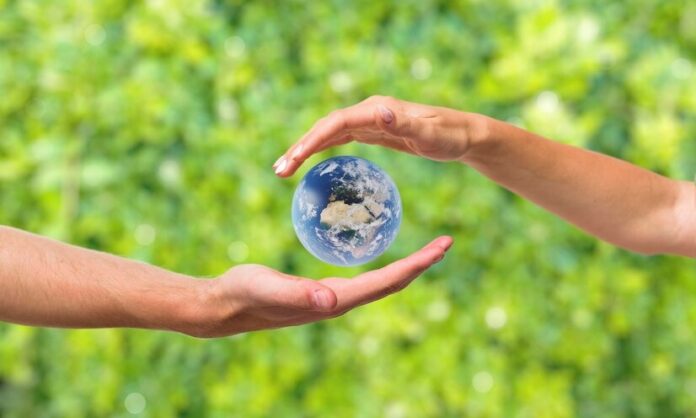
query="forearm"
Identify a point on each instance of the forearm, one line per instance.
(47, 283)
(609, 198)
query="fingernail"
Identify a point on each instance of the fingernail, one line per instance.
(446, 246)
(387, 115)
(281, 165)
(278, 161)
(322, 299)
(297, 152)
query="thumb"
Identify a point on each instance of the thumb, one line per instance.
(322, 298)
(394, 122)
(297, 293)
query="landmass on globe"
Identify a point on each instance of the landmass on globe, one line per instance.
(341, 215)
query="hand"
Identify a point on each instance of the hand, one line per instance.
(436, 133)
(253, 297)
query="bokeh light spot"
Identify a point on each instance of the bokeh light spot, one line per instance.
(135, 403)
(439, 310)
(496, 317)
(235, 47)
(94, 35)
(548, 102)
(421, 69)
(341, 82)
(238, 251)
(145, 234)
(482, 382)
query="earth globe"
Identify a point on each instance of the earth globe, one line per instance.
(346, 211)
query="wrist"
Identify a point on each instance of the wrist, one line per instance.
(479, 136)
(185, 307)
(205, 309)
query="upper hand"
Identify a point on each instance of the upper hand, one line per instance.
(436, 133)
(254, 297)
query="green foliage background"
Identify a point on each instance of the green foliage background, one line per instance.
(148, 129)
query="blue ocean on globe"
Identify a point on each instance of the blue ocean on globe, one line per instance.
(346, 211)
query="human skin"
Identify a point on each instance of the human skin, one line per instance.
(48, 283)
(609, 198)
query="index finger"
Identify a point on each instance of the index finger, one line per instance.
(331, 130)
(377, 284)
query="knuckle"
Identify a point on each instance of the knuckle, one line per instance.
(337, 119)
(383, 100)
(378, 98)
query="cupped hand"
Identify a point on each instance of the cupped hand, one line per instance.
(436, 133)
(254, 297)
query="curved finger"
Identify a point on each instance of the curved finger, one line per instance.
(377, 284)
(332, 130)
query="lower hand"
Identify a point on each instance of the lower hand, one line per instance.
(253, 297)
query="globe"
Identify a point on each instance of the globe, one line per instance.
(346, 211)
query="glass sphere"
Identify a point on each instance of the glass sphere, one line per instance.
(346, 211)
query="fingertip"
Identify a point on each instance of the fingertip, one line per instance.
(440, 257)
(291, 168)
(436, 251)
(281, 166)
(275, 164)
(425, 258)
(286, 168)
(445, 242)
(435, 256)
